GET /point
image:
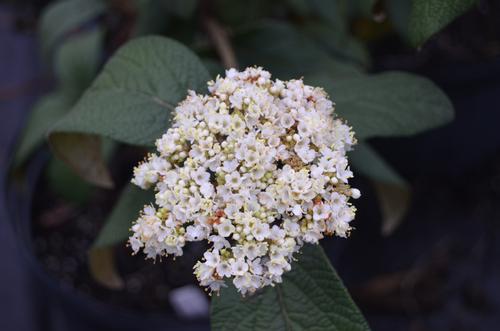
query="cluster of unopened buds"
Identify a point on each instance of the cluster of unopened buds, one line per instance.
(256, 168)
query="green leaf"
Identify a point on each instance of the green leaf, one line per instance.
(67, 184)
(311, 298)
(331, 12)
(63, 17)
(125, 211)
(77, 62)
(286, 52)
(76, 65)
(341, 45)
(132, 99)
(430, 16)
(43, 115)
(399, 15)
(392, 190)
(63, 181)
(369, 163)
(388, 104)
(82, 152)
(363, 7)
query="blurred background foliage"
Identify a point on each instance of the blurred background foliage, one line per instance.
(331, 43)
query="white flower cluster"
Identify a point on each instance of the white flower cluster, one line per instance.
(257, 168)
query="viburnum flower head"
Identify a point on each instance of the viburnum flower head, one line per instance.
(256, 169)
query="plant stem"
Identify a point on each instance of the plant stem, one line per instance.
(221, 42)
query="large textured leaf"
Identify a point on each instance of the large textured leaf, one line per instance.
(82, 152)
(392, 190)
(311, 298)
(126, 210)
(430, 16)
(77, 62)
(63, 181)
(63, 17)
(341, 45)
(43, 115)
(286, 52)
(75, 66)
(331, 12)
(388, 104)
(132, 99)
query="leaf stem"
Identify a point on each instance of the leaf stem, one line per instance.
(221, 42)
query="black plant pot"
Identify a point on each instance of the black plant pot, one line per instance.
(61, 307)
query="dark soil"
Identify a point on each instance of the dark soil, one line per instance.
(63, 233)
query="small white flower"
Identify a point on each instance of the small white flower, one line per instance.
(239, 268)
(286, 121)
(219, 242)
(225, 228)
(316, 171)
(297, 210)
(256, 267)
(233, 180)
(275, 267)
(212, 258)
(230, 166)
(321, 212)
(200, 176)
(224, 269)
(355, 193)
(195, 233)
(207, 190)
(251, 250)
(260, 231)
(277, 233)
